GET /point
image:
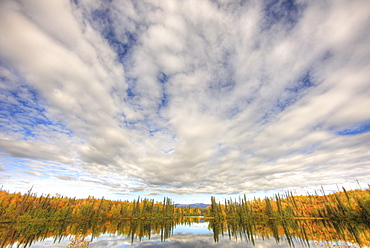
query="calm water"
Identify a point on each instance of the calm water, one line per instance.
(186, 233)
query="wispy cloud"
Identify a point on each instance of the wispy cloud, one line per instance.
(187, 97)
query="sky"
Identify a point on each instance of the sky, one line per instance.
(185, 99)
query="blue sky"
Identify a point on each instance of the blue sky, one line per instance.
(184, 99)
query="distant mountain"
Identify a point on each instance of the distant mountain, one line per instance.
(194, 205)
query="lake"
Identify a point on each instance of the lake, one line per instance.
(186, 232)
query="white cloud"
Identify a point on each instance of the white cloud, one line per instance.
(187, 97)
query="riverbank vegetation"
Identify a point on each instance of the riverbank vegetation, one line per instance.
(343, 205)
(17, 207)
(344, 215)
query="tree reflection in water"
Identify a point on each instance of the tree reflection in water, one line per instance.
(295, 231)
(163, 233)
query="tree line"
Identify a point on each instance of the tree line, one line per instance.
(17, 207)
(343, 205)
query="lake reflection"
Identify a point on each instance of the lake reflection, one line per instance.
(186, 233)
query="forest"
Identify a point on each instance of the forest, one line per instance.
(17, 207)
(344, 215)
(342, 205)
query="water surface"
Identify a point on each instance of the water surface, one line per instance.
(187, 232)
